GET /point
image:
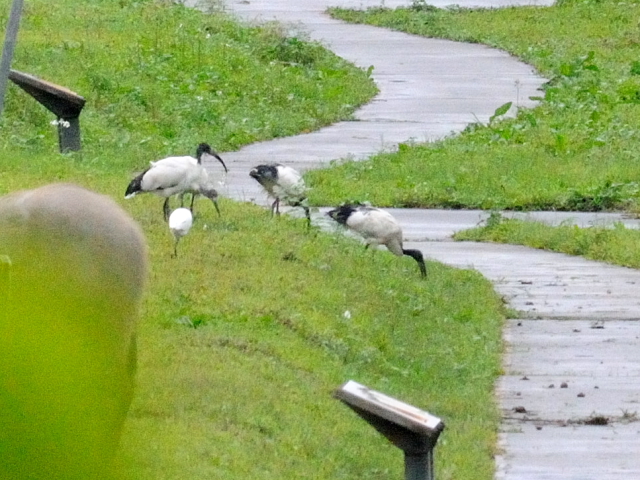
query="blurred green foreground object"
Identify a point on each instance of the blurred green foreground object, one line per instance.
(72, 271)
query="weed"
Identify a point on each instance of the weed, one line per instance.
(495, 219)
(599, 420)
(628, 416)
(500, 111)
(422, 6)
(606, 197)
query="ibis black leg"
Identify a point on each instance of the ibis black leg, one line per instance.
(307, 214)
(165, 209)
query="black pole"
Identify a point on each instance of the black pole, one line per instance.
(69, 134)
(9, 47)
(419, 466)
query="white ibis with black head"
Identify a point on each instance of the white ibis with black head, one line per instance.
(284, 184)
(177, 175)
(204, 150)
(378, 228)
(180, 222)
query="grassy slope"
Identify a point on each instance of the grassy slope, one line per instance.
(247, 394)
(577, 151)
(159, 80)
(272, 341)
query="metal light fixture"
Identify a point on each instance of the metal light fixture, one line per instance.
(412, 430)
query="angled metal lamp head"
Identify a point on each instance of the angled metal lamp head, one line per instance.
(412, 430)
(61, 101)
(57, 99)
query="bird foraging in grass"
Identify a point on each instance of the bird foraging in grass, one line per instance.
(177, 176)
(180, 222)
(283, 184)
(203, 151)
(377, 227)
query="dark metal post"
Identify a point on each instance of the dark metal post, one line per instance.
(69, 134)
(9, 46)
(419, 467)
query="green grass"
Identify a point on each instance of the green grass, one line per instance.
(244, 336)
(576, 151)
(617, 245)
(160, 78)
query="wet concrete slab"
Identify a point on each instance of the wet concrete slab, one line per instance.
(542, 284)
(570, 400)
(575, 452)
(585, 367)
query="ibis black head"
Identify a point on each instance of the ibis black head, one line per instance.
(342, 213)
(203, 148)
(418, 257)
(206, 148)
(135, 185)
(265, 174)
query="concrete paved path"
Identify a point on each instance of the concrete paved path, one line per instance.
(569, 394)
(428, 89)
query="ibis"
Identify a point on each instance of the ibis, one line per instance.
(177, 176)
(203, 151)
(75, 267)
(283, 184)
(377, 227)
(180, 222)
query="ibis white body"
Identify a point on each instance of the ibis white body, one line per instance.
(377, 227)
(176, 176)
(75, 266)
(283, 184)
(171, 176)
(180, 222)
